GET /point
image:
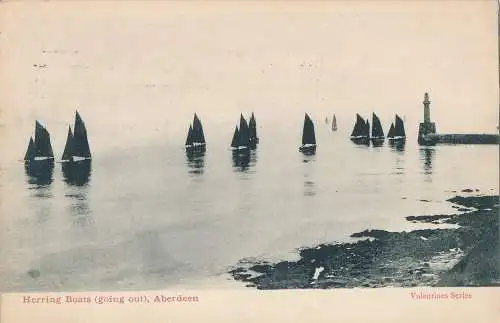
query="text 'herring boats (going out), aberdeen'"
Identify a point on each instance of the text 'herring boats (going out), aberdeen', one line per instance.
(77, 147)
(195, 141)
(308, 137)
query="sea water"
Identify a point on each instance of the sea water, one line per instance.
(148, 217)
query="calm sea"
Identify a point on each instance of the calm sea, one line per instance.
(149, 217)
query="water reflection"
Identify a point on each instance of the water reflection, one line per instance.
(243, 159)
(426, 156)
(308, 158)
(195, 161)
(78, 206)
(309, 187)
(398, 145)
(379, 142)
(362, 141)
(77, 173)
(39, 172)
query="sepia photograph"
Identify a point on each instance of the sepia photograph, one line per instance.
(248, 146)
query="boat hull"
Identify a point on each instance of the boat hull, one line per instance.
(40, 171)
(308, 149)
(77, 172)
(361, 140)
(377, 142)
(196, 148)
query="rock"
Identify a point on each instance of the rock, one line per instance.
(34, 273)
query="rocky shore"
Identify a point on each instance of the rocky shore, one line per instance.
(464, 256)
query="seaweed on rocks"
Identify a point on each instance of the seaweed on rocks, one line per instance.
(465, 256)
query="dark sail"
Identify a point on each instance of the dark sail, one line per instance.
(390, 134)
(189, 139)
(80, 141)
(334, 123)
(308, 136)
(359, 127)
(244, 133)
(252, 125)
(235, 141)
(377, 131)
(198, 135)
(69, 148)
(30, 152)
(43, 148)
(399, 128)
(366, 130)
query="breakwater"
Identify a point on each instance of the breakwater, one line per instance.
(427, 134)
(469, 139)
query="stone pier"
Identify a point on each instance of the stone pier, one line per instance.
(427, 132)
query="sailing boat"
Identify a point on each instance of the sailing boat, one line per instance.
(397, 130)
(308, 137)
(195, 140)
(390, 134)
(77, 147)
(39, 157)
(245, 137)
(377, 131)
(334, 123)
(252, 125)
(235, 141)
(361, 131)
(39, 149)
(243, 134)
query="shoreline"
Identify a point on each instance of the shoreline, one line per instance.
(464, 256)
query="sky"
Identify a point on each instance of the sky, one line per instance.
(151, 65)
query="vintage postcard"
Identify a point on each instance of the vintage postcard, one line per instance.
(248, 161)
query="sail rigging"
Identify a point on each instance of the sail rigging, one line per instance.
(366, 130)
(359, 127)
(189, 139)
(244, 133)
(308, 135)
(235, 141)
(80, 145)
(30, 152)
(43, 148)
(69, 148)
(197, 133)
(377, 131)
(399, 128)
(390, 134)
(334, 123)
(252, 126)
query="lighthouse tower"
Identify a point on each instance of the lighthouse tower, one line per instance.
(427, 109)
(427, 127)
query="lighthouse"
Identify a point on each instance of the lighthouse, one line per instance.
(427, 127)
(427, 109)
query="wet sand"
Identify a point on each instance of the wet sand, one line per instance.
(464, 256)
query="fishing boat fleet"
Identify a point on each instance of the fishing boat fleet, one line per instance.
(361, 131)
(39, 158)
(76, 157)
